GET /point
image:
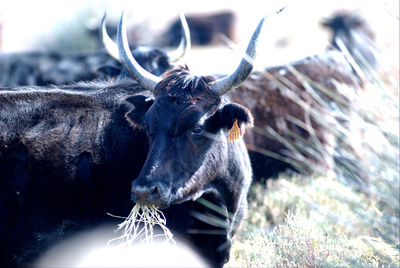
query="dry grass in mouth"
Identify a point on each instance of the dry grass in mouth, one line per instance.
(138, 227)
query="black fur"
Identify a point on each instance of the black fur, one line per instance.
(43, 68)
(67, 157)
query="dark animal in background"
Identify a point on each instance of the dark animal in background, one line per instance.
(46, 68)
(204, 29)
(297, 108)
(189, 154)
(302, 109)
(351, 32)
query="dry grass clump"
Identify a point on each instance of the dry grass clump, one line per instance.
(301, 242)
(351, 219)
(143, 225)
(329, 202)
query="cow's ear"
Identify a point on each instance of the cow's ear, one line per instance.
(230, 114)
(139, 108)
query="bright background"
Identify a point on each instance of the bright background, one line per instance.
(33, 25)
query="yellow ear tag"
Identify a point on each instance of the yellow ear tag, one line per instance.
(234, 132)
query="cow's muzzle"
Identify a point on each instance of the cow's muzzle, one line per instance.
(150, 193)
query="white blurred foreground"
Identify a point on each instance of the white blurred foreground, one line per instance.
(89, 250)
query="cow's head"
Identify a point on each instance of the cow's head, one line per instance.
(187, 126)
(344, 25)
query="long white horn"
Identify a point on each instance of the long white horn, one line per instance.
(108, 43)
(184, 45)
(227, 83)
(145, 78)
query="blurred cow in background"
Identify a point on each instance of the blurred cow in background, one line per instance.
(351, 34)
(47, 68)
(298, 109)
(304, 110)
(52, 68)
(204, 29)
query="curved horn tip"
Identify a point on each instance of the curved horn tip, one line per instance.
(110, 46)
(186, 31)
(184, 44)
(227, 83)
(145, 78)
(102, 25)
(103, 18)
(281, 9)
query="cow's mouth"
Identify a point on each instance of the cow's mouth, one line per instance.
(161, 204)
(180, 197)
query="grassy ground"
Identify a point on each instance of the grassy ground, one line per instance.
(316, 222)
(348, 219)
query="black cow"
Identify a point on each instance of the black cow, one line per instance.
(204, 29)
(67, 157)
(46, 68)
(190, 155)
(352, 33)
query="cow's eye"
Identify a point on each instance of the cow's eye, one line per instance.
(197, 130)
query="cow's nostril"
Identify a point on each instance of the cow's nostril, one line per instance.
(155, 193)
(140, 193)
